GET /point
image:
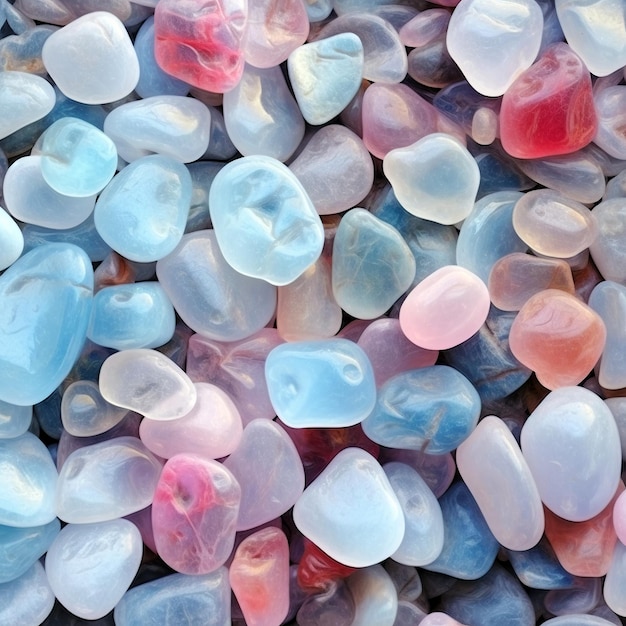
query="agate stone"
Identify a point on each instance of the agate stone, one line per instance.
(606, 250)
(27, 600)
(375, 597)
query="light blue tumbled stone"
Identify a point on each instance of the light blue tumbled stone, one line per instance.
(46, 303)
(432, 409)
(372, 266)
(29, 480)
(14, 419)
(77, 159)
(179, 600)
(325, 75)
(139, 315)
(27, 600)
(11, 240)
(21, 547)
(264, 221)
(142, 212)
(320, 384)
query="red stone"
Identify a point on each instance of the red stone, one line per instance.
(549, 109)
(317, 570)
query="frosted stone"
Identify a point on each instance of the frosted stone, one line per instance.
(351, 512)
(326, 75)
(572, 447)
(610, 104)
(123, 473)
(607, 251)
(615, 581)
(14, 419)
(492, 466)
(91, 566)
(24, 98)
(435, 178)
(375, 597)
(108, 73)
(494, 42)
(11, 240)
(147, 382)
(27, 600)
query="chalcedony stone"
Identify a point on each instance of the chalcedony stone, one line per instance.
(571, 444)
(351, 511)
(610, 104)
(615, 579)
(27, 600)
(606, 251)
(14, 419)
(375, 597)
(11, 240)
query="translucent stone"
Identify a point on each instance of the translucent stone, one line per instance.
(265, 223)
(335, 604)
(22, 53)
(194, 513)
(177, 598)
(325, 75)
(91, 566)
(46, 301)
(11, 240)
(259, 577)
(267, 466)
(85, 412)
(30, 199)
(571, 444)
(201, 41)
(212, 429)
(554, 225)
(372, 266)
(610, 103)
(138, 315)
(315, 384)
(335, 169)
(27, 600)
(557, 336)
(147, 382)
(435, 178)
(317, 571)
(431, 409)
(14, 419)
(581, 597)
(479, 32)
(209, 295)
(384, 58)
(578, 620)
(439, 619)
(174, 126)
(108, 73)
(492, 466)
(275, 29)
(437, 314)
(596, 31)
(375, 597)
(24, 98)
(61, 12)
(485, 126)
(607, 251)
(423, 523)
(143, 211)
(123, 473)
(351, 512)
(261, 115)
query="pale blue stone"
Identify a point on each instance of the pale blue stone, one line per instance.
(77, 159)
(318, 10)
(138, 315)
(179, 600)
(20, 548)
(46, 303)
(14, 419)
(325, 75)
(29, 480)
(372, 266)
(320, 384)
(24, 50)
(264, 221)
(142, 212)
(27, 600)
(153, 81)
(11, 240)
(432, 409)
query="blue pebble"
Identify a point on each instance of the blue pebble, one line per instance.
(432, 409)
(221, 148)
(46, 303)
(497, 173)
(14, 420)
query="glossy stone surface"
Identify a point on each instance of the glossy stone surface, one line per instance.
(606, 250)
(351, 512)
(375, 597)
(109, 72)
(493, 468)
(493, 43)
(194, 513)
(28, 599)
(571, 444)
(46, 301)
(318, 572)
(334, 604)
(201, 42)
(91, 566)
(558, 337)
(549, 108)
(147, 382)
(437, 313)
(259, 577)
(14, 419)
(11, 240)
(265, 223)
(267, 466)
(435, 178)
(328, 383)
(432, 409)
(614, 583)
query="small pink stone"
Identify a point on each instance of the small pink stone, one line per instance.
(445, 309)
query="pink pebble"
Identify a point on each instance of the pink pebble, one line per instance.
(445, 309)
(619, 517)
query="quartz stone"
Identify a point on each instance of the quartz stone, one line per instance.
(27, 600)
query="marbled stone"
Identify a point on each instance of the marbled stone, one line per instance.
(375, 597)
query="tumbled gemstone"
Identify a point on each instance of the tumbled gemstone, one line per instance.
(317, 571)
(607, 250)
(613, 589)
(11, 240)
(14, 419)
(375, 597)
(27, 599)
